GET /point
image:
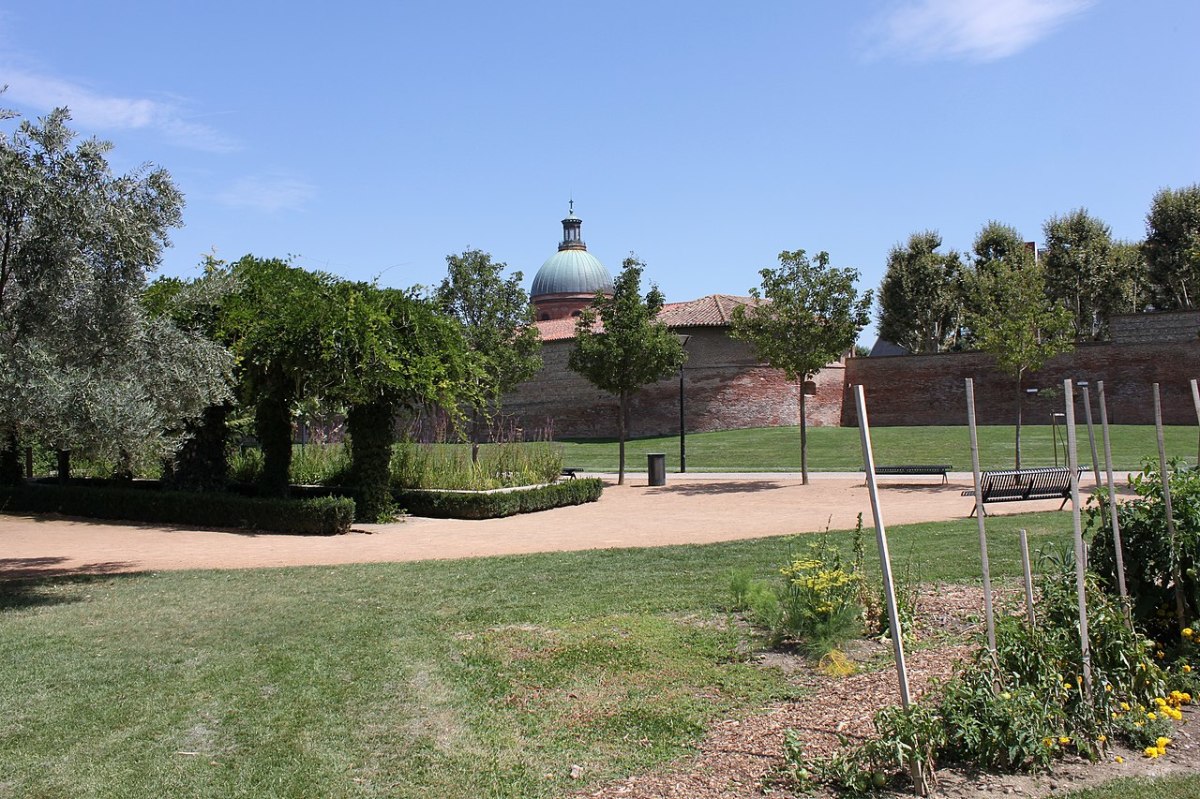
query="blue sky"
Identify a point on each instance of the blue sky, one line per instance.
(373, 139)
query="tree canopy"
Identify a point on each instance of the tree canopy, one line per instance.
(1012, 319)
(631, 350)
(497, 323)
(1172, 247)
(82, 365)
(920, 298)
(808, 315)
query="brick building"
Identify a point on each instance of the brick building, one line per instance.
(722, 385)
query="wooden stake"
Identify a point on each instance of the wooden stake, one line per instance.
(1196, 403)
(1087, 417)
(1166, 492)
(1080, 554)
(920, 769)
(1028, 577)
(1118, 547)
(885, 560)
(983, 548)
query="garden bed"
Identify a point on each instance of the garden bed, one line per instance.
(743, 758)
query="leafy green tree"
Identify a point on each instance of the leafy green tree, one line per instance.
(808, 315)
(275, 320)
(383, 351)
(631, 350)
(82, 366)
(920, 298)
(1172, 247)
(497, 321)
(1012, 318)
(1088, 274)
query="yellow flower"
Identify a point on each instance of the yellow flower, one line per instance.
(1187, 632)
(1151, 716)
(1107, 688)
(1162, 742)
(1102, 738)
(1159, 654)
(1124, 706)
(1150, 751)
(1006, 695)
(1047, 742)
(1119, 759)
(1064, 740)
(1158, 700)
(1187, 669)
(1068, 686)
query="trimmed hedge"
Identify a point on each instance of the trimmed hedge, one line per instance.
(318, 516)
(493, 505)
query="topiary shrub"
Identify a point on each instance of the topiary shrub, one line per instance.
(496, 504)
(316, 516)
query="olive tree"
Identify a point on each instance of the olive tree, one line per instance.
(82, 365)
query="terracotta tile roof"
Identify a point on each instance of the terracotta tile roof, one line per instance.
(715, 310)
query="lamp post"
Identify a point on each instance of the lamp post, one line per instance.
(683, 340)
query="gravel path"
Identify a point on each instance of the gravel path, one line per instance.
(690, 509)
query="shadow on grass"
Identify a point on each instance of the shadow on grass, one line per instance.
(33, 582)
(724, 487)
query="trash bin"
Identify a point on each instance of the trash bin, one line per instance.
(656, 468)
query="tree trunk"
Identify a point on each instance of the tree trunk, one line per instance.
(371, 428)
(273, 424)
(803, 436)
(202, 463)
(1020, 408)
(64, 466)
(10, 461)
(622, 413)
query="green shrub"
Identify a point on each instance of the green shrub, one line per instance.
(449, 466)
(1147, 548)
(817, 602)
(316, 516)
(491, 505)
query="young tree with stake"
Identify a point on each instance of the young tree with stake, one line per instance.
(808, 315)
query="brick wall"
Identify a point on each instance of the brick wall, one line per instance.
(929, 389)
(724, 388)
(1150, 328)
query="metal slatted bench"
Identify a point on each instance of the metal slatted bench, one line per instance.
(1012, 485)
(918, 468)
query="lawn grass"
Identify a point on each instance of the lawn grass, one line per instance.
(471, 678)
(1178, 786)
(836, 449)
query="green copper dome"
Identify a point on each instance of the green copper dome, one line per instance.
(571, 270)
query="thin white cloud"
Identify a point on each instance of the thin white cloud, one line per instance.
(269, 193)
(972, 30)
(105, 112)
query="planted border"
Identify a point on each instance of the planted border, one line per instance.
(496, 504)
(316, 516)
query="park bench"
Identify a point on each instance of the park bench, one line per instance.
(569, 472)
(1012, 485)
(918, 468)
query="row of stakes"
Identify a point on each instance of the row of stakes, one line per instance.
(919, 777)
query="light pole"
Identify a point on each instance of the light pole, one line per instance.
(683, 340)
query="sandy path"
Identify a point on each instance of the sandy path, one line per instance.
(690, 509)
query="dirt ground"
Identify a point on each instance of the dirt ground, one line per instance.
(690, 509)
